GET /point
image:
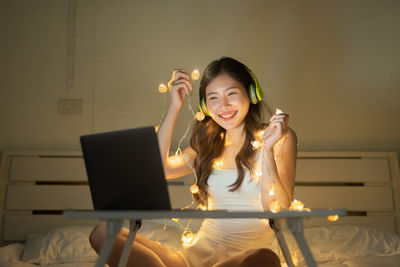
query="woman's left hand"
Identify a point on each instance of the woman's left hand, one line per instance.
(276, 129)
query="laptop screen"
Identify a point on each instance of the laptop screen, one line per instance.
(125, 170)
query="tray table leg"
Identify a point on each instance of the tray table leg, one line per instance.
(275, 225)
(113, 228)
(296, 226)
(134, 225)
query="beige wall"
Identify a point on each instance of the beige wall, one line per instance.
(332, 65)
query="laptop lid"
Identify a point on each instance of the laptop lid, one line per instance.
(125, 171)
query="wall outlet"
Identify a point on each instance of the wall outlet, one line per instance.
(70, 106)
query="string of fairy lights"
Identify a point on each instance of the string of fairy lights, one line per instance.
(188, 238)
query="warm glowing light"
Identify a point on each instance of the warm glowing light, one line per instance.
(275, 206)
(296, 205)
(162, 88)
(194, 189)
(175, 219)
(260, 134)
(333, 218)
(202, 207)
(295, 259)
(175, 160)
(278, 111)
(187, 238)
(217, 164)
(156, 128)
(284, 264)
(272, 191)
(195, 75)
(256, 144)
(199, 116)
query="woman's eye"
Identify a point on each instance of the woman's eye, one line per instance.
(231, 93)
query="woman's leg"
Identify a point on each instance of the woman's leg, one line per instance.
(145, 252)
(252, 258)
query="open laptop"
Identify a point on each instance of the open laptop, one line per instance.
(125, 171)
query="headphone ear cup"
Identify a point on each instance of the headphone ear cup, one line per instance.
(253, 94)
(203, 107)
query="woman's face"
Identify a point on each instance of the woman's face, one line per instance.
(227, 101)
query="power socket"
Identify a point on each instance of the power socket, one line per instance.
(70, 106)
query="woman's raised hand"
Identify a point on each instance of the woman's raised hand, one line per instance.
(179, 87)
(276, 129)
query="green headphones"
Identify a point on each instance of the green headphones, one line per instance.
(254, 91)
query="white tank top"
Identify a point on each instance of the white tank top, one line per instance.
(236, 233)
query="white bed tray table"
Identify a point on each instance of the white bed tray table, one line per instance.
(115, 219)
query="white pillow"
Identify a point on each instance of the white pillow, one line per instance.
(11, 253)
(63, 245)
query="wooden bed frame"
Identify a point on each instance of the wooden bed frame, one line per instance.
(36, 186)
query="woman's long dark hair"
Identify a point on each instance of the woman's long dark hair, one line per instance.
(208, 138)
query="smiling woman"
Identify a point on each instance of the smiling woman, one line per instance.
(227, 101)
(231, 174)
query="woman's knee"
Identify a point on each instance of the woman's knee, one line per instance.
(263, 256)
(97, 236)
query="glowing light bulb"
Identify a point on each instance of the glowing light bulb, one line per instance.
(175, 219)
(187, 238)
(199, 116)
(295, 259)
(272, 191)
(256, 144)
(162, 88)
(217, 164)
(202, 207)
(333, 218)
(296, 205)
(175, 160)
(278, 111)
(260, 134)
(195, 75)
(156, 128)
(275, 206)
(194, 189)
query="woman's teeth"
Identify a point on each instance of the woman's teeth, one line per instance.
(227, 115)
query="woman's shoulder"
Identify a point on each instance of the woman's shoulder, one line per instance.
(291, 134)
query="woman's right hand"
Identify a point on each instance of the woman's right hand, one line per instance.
(179, 87)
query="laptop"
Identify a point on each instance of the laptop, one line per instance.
(125, 171)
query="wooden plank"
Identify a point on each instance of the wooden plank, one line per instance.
(27, 168)
(386, 223)
(18, 227)
(55, 197)
(342, 170)
(48, 197)
(357, 198)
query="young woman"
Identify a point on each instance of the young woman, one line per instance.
(231, 173)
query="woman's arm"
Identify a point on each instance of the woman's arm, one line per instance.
(280, 172)
(174, 166)
(279, 162)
